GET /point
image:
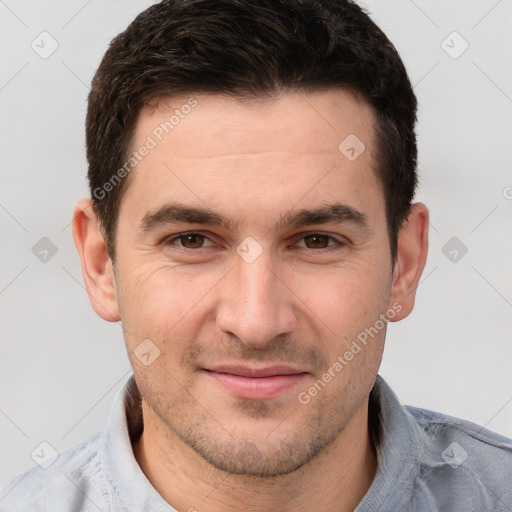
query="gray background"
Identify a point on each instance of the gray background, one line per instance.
(61, 364)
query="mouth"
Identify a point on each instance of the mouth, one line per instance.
(255, 383)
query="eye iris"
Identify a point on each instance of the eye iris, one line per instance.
(192, 241)
(316, 241)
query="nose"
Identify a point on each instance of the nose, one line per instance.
(256, 303)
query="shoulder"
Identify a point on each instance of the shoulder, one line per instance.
(73, 476)
(438, 429)
(460, 458)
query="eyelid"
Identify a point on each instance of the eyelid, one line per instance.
(171, 239)
(338, 241)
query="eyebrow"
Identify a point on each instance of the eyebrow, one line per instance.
(172, 213)
(336, 213)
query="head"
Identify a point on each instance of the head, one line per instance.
(252, 166)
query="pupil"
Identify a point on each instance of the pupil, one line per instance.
(316, 241)
(193, 240)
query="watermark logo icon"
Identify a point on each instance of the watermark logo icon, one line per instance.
(454, 455)
(44, 454)
(44, 45)
(146, 352)
(454, 249)
(249, 250)
(454, 45)
(44, 250)
(352, 147)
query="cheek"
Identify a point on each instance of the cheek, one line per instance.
(158, 301)
(345, 299)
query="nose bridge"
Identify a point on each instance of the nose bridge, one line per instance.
(256, 307)
(257, 285)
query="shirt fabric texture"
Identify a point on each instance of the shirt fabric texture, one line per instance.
(427, 462)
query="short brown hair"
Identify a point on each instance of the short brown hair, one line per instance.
(249, 48)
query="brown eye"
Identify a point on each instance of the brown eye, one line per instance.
(192, 241)
(316, 241)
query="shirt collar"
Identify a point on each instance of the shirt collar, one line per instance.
(397, 444)
(116, 453)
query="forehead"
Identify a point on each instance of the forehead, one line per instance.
(309, 121)
(224, 152)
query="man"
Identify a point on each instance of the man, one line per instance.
(252, 166)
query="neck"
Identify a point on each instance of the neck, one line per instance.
(335, 480)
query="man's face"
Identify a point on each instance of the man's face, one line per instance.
(253, 303)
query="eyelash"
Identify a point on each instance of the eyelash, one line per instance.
(337, 243)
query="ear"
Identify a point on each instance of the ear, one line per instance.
(97, 268)
(410, 261)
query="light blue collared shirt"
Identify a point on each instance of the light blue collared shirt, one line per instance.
(427, 462)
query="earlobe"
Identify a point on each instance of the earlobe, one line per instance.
(97, 269)
(411, 259)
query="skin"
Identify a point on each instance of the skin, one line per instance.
(301, 302)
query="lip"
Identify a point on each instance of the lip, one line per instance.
(255, 383)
